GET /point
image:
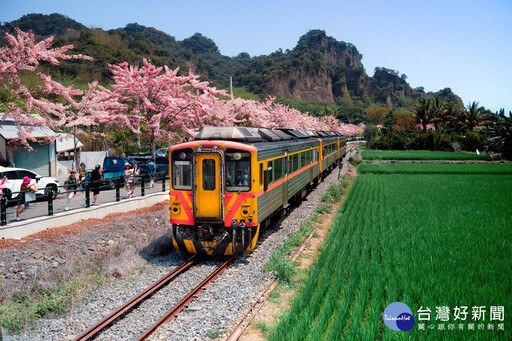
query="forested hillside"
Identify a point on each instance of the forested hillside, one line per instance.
(320, 75)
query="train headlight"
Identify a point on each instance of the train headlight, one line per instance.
(245, 209)
(176, 208)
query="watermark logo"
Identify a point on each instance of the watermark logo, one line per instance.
(398, 316)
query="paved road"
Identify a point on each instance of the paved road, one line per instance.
(40, 208)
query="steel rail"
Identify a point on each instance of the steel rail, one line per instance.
(103, 324)
(190, 296)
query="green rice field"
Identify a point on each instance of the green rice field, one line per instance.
(418, 155)
(436, 242)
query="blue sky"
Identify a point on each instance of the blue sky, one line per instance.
(464, 45)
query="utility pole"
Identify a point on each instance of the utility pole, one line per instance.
(231, 87)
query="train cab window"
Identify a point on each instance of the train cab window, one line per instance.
(307, 154)
(182, 169)
(261, 174)
(238, 170)
(313, 155)
(209, 181)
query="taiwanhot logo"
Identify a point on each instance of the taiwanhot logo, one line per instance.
(398, 316)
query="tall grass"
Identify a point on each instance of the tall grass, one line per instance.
(418, 155)
(423, 239)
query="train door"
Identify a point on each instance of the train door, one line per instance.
(208, 189)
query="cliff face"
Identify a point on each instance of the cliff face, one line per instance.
(302, 85)
(320, 69)
(323, 69)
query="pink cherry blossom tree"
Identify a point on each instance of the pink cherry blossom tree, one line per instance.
(96, 107)
(164, 103)
(27, 106)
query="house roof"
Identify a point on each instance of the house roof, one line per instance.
(65, 143)
(10, 132)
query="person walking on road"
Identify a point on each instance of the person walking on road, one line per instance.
(95, 183)
(70, 185)
(151, 171)
(128, 180)
(24, 197)
(135, 178)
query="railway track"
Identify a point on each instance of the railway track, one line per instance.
(132, 304)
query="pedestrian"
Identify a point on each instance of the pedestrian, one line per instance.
(26, 195)
(151, 171)
(70, 185)
(135, 178)
(95, 183)
(128, 180)
(3, 183)
(82, 170)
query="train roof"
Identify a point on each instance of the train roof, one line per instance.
(252, 135)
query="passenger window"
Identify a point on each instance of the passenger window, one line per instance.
(209, 176)
(270, 168)
(278, 169)
(295, 162)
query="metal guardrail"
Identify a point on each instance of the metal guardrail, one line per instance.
(105, 185)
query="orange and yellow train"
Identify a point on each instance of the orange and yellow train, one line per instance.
(229, 181)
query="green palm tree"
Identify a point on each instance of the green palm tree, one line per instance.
(454, 116)
(474, 116)
(438, 112)
(499, 133)
(422, 110)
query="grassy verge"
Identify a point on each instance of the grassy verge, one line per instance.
(419, 155)
(26, 307)
(427, 240)
(280, 263)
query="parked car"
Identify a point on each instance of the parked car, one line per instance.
(162, 152)
(161, 163)
(15, 176)
(142, 160)
(113, 168)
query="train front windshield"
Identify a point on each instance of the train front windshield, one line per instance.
(182, 169)
(238, 170)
